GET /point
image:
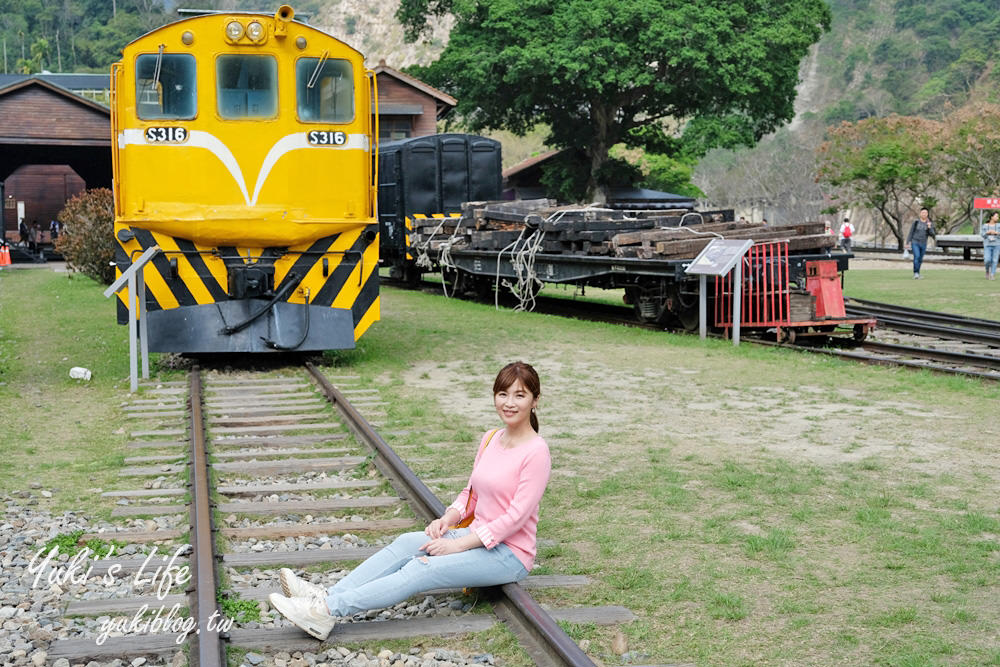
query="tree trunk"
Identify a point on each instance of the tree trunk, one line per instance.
(600, 117)
(893, 223)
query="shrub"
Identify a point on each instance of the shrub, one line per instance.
(87, 239)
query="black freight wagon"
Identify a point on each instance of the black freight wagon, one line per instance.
(430, 175)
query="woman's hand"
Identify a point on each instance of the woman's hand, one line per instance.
(441, 546)
(436, 529)
(439, 527)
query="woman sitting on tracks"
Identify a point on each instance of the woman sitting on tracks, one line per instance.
(509, 476)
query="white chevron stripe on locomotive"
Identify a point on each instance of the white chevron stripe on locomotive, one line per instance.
(208, 141)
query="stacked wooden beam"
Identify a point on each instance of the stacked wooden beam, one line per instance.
(676, 234)
(688, 241)
(431, 233)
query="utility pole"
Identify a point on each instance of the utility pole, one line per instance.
(114, 8)
(5, 55)
(58, 51)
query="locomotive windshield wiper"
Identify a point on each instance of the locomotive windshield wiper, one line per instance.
(156, 70)
(319, 66)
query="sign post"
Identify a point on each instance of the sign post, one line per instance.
(718, 258)
(983, 203)
(133, 279)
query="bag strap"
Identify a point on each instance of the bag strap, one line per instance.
(489, 439)
(486, 444)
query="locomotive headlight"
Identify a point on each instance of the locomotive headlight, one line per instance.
(255, 31)
(234, 30)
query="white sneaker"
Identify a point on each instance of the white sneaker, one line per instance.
(293, 587)
(310, 614)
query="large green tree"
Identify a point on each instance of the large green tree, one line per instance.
(671, 76)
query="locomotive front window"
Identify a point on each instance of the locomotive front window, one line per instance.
(165, 86)
(325, 88)
(247, 86)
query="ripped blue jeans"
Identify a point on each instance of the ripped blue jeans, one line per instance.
(400, 571)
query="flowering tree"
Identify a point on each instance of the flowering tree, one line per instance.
(971, 149)
(894, 165)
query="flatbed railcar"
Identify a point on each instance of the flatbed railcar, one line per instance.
(244, 148)
(805, 299)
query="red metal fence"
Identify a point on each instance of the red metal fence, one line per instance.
(766, 295)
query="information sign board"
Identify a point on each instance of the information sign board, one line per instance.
(719, 257)
(980, 203)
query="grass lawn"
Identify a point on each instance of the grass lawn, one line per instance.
(67, 435)
(749, 505)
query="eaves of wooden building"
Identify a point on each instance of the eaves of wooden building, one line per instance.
(408, 107)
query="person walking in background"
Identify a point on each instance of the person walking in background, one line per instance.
(485, 538)
(846, 232)
(22, 230)
(916, 240)
(990, 231)
(54, 230)
(35, 237)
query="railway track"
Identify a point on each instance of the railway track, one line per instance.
(272, 464)
(906, 337)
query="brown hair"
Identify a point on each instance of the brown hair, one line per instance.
(513, 372)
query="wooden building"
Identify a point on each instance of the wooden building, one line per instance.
(53, 144)
(407, 106)
(38, 192)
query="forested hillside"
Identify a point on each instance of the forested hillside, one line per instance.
(87, 35)
(906, 56)
(920, 58)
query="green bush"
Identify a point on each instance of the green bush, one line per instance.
(87, 239)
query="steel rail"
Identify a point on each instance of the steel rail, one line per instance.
(539, 634)
(210, 647)
(936, 330)
(873, 360)
(919, 313)
(947, 356)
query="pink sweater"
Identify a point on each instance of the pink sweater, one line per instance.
(508, 484)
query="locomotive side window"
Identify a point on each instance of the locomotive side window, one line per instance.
(247, 86)
(325, 88)
(165, 86)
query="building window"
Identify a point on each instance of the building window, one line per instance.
(394, 129)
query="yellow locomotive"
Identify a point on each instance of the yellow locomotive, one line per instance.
(242, 147)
